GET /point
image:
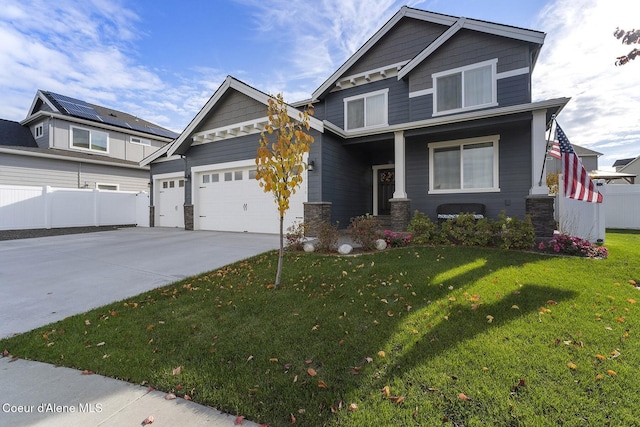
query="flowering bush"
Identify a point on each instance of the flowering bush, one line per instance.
(569, 245)
(396, 240)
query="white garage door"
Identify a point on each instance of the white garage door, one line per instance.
(169, 202)
(232, 200)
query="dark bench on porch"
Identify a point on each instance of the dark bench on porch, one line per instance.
(453, 210)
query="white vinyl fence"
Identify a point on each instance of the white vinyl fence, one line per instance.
(23, 207)
(619, 209)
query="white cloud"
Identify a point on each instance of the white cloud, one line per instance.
(578, 62)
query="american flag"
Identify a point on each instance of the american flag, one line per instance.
(555, 150)
(577, 184)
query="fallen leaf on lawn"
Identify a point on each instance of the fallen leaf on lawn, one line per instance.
(87, 322)
(485, 369)
(148, 420)
(620, 319)
(384, 300)
(353, 407)
(186, 397)
(632, 282)
(322, 384)
(599, 377)
(5, 353)
(239, 420)
(150, 326)
(489, 318)
(415, 412)
(86, 372)
(432, 389)
(600, 357)
(611, 372)
(249, 358)
(312, 372)
(390, 313)
(463, 396)
(177, 371)
(568, 342)
(631, 301)
(475, 306)
(386, 391)
(100, 344)
(515, 307)
(50, 344)
(308, 361)
(551, 302)
(452, 298)
(572, 366)
(368, 359)
(295, 379)
(396, 399)
(293, 419)
(273, 359)
(315, 327)
(170, 396)
(615, 353)
(382, 354)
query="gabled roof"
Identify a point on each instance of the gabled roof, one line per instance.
(15, 135)
(454, 23)
(47, 103)
(623, 162)
(585, 152)
(181, 144)
(629, 164)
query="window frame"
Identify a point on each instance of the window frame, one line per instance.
(115, 187)
(92, 132)
(492, 63)
(494, 139)
(364, 97)
(39, 130)
(140, 141)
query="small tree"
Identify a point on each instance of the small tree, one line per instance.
(279, 164)
(628, 38)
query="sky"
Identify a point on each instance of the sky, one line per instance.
(163, 59)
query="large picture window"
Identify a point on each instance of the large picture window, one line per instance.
(469, 165)
(366, 111)
(465, 88)
(92, 140)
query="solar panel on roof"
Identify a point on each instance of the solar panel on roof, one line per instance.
(63, 98)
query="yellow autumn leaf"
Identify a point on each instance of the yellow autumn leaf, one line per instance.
(631, 301)
(515, 307)
(600, 357)
(599, 377)
(353, 407)
(611, 372)
(382, 354)
(322, 384)
(572, 366)
(489, 318)
(312, 372)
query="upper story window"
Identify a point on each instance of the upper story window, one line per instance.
(92, 140)
(465, 88)
(366, 111)
(39, 130)
(141, 141)
(464, 166)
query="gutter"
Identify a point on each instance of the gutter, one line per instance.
(69, 159)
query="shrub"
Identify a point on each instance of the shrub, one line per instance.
(564, 244)
(327, 235)
(295, 236)
(396, 240)
(513, 232)
(365, 230)
(466, 230)
(422, 229)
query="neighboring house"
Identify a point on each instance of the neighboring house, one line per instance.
(627, 170)
(589, 159)
(433, 109)
(66, 142)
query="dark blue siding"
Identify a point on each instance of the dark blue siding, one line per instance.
(420, 108)
(514, 91)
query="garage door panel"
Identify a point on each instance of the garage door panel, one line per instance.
(235, 202)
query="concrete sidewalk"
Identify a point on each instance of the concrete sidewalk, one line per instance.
(43, 280)
(38, 394)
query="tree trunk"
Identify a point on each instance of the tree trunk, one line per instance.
(281, 253)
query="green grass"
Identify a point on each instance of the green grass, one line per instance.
(499, 327)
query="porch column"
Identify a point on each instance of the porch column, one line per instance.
(399, 160)
(400, 204)
(538, 152)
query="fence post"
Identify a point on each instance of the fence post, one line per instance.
(47, 193)
(601, 216)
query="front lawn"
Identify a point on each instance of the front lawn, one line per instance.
(450, 336)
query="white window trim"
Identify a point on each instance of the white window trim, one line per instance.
(98, 184)
(494, 87)
(142, 141)
(345, 101)
(39, 130)
(495, 139)
(91, 132)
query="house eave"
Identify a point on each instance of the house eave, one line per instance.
(8, 150)
(558, 103)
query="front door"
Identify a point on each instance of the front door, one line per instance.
(386, 187)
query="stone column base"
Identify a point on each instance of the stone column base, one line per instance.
(540, 208)
(316, 213)
(152, 216)
(400, 214)
(188, 217)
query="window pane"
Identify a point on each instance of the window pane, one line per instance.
(449, 92)
(477, 86)
(165, 184)
(252, 174)
(80, 138)
(375, 110)
(99, 141)
(215, 177)
(237, 175)
(172, 184)
(205, 179)
(446, 164)
(355, 114)
(181, 183)
(228, 176)
(478, 165)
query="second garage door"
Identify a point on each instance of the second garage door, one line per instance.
(230, 199)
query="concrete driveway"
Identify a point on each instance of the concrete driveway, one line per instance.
(46, 279)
